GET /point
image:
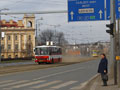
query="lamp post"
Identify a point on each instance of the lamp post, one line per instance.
(55, 26)
(36, 39)
(0, 29)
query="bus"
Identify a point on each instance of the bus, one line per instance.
(48, 54)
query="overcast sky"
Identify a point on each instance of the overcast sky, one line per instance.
(79, 32)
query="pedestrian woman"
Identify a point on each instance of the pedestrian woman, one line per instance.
(103, 69)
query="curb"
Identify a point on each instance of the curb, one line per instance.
(83, 85)
(90, 80)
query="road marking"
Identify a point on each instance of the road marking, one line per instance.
(64, 84)
(79, 87)
(18, 82)
(49, 89)
(58, 73)
(27, 84)
(93, 87)
(7, 81)
(46, 84)
(82, 85)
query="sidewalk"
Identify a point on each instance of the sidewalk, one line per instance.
(16, 63)
(97, 85)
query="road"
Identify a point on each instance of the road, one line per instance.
(57, 78)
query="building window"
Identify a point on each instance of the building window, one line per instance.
(16, 38)
(2, 38)
(2, 47)
(9, 56)
(29, 24)
(29, 46)
(9, 47)
(16, 46)
(9, 37)
(29, 37)
(16, 56)
(2, 56)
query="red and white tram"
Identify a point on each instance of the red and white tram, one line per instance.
(48, 54)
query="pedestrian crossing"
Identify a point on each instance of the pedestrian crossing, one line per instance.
(36, 84)
(13, 83)
(7, 81)
(47, 84)
(64, 84)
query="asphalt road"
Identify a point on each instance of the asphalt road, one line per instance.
(57, 78)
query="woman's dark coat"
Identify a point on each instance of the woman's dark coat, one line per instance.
(103, 65)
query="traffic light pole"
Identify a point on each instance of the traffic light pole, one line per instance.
(112, 39)
(119, 52)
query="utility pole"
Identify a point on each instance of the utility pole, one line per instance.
(113, 40)
(36, 38)
(0, 35)
(119, 52)
(55, 26)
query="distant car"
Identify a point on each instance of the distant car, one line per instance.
(48, 54)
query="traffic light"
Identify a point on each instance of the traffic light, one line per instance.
(111, 27)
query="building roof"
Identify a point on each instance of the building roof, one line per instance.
(10, 23)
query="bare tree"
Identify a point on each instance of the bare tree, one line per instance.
(61, 39)
(45, 36)
(49, 35)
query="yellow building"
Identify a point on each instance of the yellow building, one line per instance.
(18, 38)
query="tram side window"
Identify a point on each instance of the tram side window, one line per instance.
(37, 51)
(60, 51)
(55, 51)
(51, 51)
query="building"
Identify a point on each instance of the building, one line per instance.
(18, 37)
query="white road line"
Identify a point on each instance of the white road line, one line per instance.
(13, 83)
(58, 73)
(64, 84)
(93, 87)
(46, 84)
(49, 89)
(7, 81)
(79, 87)
(27, 84)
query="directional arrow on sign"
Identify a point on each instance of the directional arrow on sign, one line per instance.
(100, 12)
(72, 15)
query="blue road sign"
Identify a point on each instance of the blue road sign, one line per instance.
(88, 10)
(117, 9)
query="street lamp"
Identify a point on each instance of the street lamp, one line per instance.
(0, 29)
(37, 29)
(55, 26)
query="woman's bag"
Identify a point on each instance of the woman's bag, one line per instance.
(105, 77)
